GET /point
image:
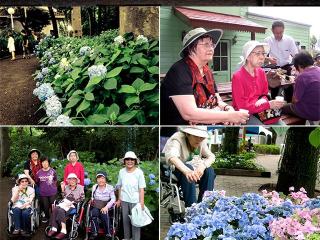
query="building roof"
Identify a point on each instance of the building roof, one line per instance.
(206, 19)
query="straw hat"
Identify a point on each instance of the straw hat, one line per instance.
(194, 34)
(248, 48)
(199, 131)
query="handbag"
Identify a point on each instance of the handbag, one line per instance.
(99, 204)
(268, 116)
(140, 217)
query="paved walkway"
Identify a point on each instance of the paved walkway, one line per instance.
(17, 103)
(235, 186)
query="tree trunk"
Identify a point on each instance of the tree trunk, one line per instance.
(140, 21)
(230, 143)
(4, 147)
(76, 21)
(54, 22)
(299, 162)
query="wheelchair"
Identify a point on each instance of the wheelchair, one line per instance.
(114, 218)
(73, 222)
(170, 192)
(35, 218)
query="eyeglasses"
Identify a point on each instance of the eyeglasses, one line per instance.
(208, 45)
(129, 159)
(257, 54)
(23, 181)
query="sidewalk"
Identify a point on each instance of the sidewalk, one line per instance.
(17, 103)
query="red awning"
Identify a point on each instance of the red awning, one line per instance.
(205, 19)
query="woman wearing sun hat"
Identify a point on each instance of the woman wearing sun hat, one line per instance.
(74, 166)
(188, 92)
(188, 152)
(131, 183)
(250, 85)
(22, 198)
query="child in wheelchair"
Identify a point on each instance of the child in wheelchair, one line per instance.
(73, 194)
(21, 208)
(100, 209)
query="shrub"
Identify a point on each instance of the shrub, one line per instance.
(102, 80)
(267, 149)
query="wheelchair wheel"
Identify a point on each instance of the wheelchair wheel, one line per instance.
(73, 235)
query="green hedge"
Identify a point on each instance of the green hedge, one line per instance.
(267, 149)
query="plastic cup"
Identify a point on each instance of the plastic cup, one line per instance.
(244, 110)
(280, 98)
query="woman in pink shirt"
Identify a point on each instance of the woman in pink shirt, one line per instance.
(250, 85)
(74, 167)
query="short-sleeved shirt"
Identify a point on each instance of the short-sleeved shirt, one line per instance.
(106, 194)
(307, 93)
(24, 197)
(47, 182)
(178, 81)
(130, 183)
(283, 50)
(75, 195)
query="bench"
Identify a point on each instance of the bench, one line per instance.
(225, 91)
(292, 120)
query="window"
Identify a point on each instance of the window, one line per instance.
(220, 58)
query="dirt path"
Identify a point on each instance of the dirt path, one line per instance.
(17, 103)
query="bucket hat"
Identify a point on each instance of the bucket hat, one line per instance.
(248, 48)
(194, 34)
(199, 131)
(20, 177)
(73, 175)
(130, 154)
(34, 150)
(72, 151)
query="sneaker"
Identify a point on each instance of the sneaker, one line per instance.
(25, 233)
(51, 233)
(16, 232)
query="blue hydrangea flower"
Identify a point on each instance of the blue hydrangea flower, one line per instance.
(52, 61)
(142, 39)
(61, 120)
(97, 71)
(152, 176)
(53, 106)
(152, 182)
(45, 71)
(84, 51)
(44, 91)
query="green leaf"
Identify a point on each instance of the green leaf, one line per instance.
(143, 61)
(137, 83)
(114, 108)
(69, 87)
(141, 117)
(154, 43)
(154, 97)
(94, 81)
(76, 122)
(125, 59)
(83, 106)
(136, 70)
(73, 101)
(314, 137)
(75, 73)
(153, 70)
(89, 96)
(97, 119)
(125, 117)
(114, 56)
(127, 89)
(77, 92)
(110, 84)
(131, 100)
(114, 72)
(147, 87)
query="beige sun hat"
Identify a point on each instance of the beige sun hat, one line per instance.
(72, 151)
(199, 131)
(194, 34)
(73, 175)
(20, 177)
(130, 154)
(248, 48)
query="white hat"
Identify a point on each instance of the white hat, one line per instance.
(72, 151)
(21, 176)
(130, 154)
(199, 131)
(194, 34)
(248, 48)
(72, 175)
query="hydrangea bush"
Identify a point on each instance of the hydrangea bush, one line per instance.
(108, 79)
(251, 216)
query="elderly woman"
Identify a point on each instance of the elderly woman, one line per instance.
(131, 183)
(188, 92)
(102, 200)
(73, 193)
(74, 166)
(22, 198)
(32, 166)
(188, 152)
(250, 86)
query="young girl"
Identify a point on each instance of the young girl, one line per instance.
(11, 46)
(131, 183)
(46, 179)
